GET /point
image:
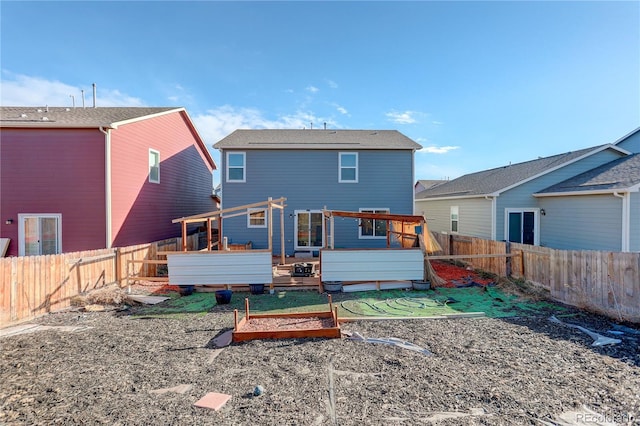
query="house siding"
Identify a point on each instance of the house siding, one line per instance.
(309, 180)
(632, 143)
(634, 226)
(592, 222)
(522, 195)
(142, 211)
(474, 215)
(54, 171)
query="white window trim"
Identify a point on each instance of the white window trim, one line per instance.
(536, 222)
(23, 216)
(374, 236)
(451, 220)
(244, 166)
(340, 167)
(153, 151)
(249, 224)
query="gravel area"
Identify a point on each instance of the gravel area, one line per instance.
(515, 371)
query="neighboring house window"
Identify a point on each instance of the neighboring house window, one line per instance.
(454, 218)
(154, 166)
(373, 228)
(236, 167)
(348, 167)
(257, 218)
(39, 234)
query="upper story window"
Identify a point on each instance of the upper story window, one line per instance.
(373, 228)
(348, 167)
(154, 166)
(454, 218)
(257, 218)
(236, 167)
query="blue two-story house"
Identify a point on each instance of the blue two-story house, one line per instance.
(349, 170)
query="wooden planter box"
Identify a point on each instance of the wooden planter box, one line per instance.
(286, 326)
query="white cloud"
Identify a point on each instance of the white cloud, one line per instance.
(438, 149)
(437, 123)
(342, 110)
(332, 84)
(312, 89)
(23, 90)
(221, 121)
(405, 117)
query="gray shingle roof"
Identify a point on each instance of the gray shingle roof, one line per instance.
(316, 139)
(48, 117)
(619, 174)
(495, 180)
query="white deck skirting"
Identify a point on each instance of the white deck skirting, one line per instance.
(372, 265)
(220, 267)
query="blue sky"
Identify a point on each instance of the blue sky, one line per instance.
(477, 84)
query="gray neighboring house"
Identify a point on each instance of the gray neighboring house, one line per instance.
(537, 202)
(423, 184)
(351, 170)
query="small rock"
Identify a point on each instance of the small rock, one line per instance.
(258, 390)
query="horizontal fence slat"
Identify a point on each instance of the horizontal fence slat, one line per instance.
(31, 286)
(603, 282)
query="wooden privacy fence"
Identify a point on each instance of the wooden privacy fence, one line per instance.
(603, 282)
(31, 286)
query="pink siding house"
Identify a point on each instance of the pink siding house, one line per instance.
(88, 178)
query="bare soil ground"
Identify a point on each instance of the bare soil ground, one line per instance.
(482, 371)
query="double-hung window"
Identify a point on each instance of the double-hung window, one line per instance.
(454, 218)
(373, 228)
(348, 167)
(154, 166)
(256, 218)
(236, 167)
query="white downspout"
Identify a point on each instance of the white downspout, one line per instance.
(626, 214)
(107, 185)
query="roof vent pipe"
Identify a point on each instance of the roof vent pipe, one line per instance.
(94, 95)
(73, 101)
(82, 91)
(325, 125)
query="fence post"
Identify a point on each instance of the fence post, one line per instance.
(118, 267)
(507, 249)
(14, 289)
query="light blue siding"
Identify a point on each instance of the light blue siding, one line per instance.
(632, 143)
(634, 228)
(522, 196)
(309, 180)
(587, 222)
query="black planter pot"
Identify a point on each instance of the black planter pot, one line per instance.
(223, 297)
(421, 285)
(256, 288)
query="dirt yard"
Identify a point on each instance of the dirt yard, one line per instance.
(110, 368)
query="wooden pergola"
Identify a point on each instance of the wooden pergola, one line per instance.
(219, 215)
(403, 219)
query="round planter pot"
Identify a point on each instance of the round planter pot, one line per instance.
(223, 297)
(186, 290)
(332, 286)
(256, 288)
(421, 285)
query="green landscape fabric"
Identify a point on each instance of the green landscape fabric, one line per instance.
(492, 301)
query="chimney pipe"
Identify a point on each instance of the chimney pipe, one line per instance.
(325, 125)
(82, 91)
(73, 101)
(94, 95)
